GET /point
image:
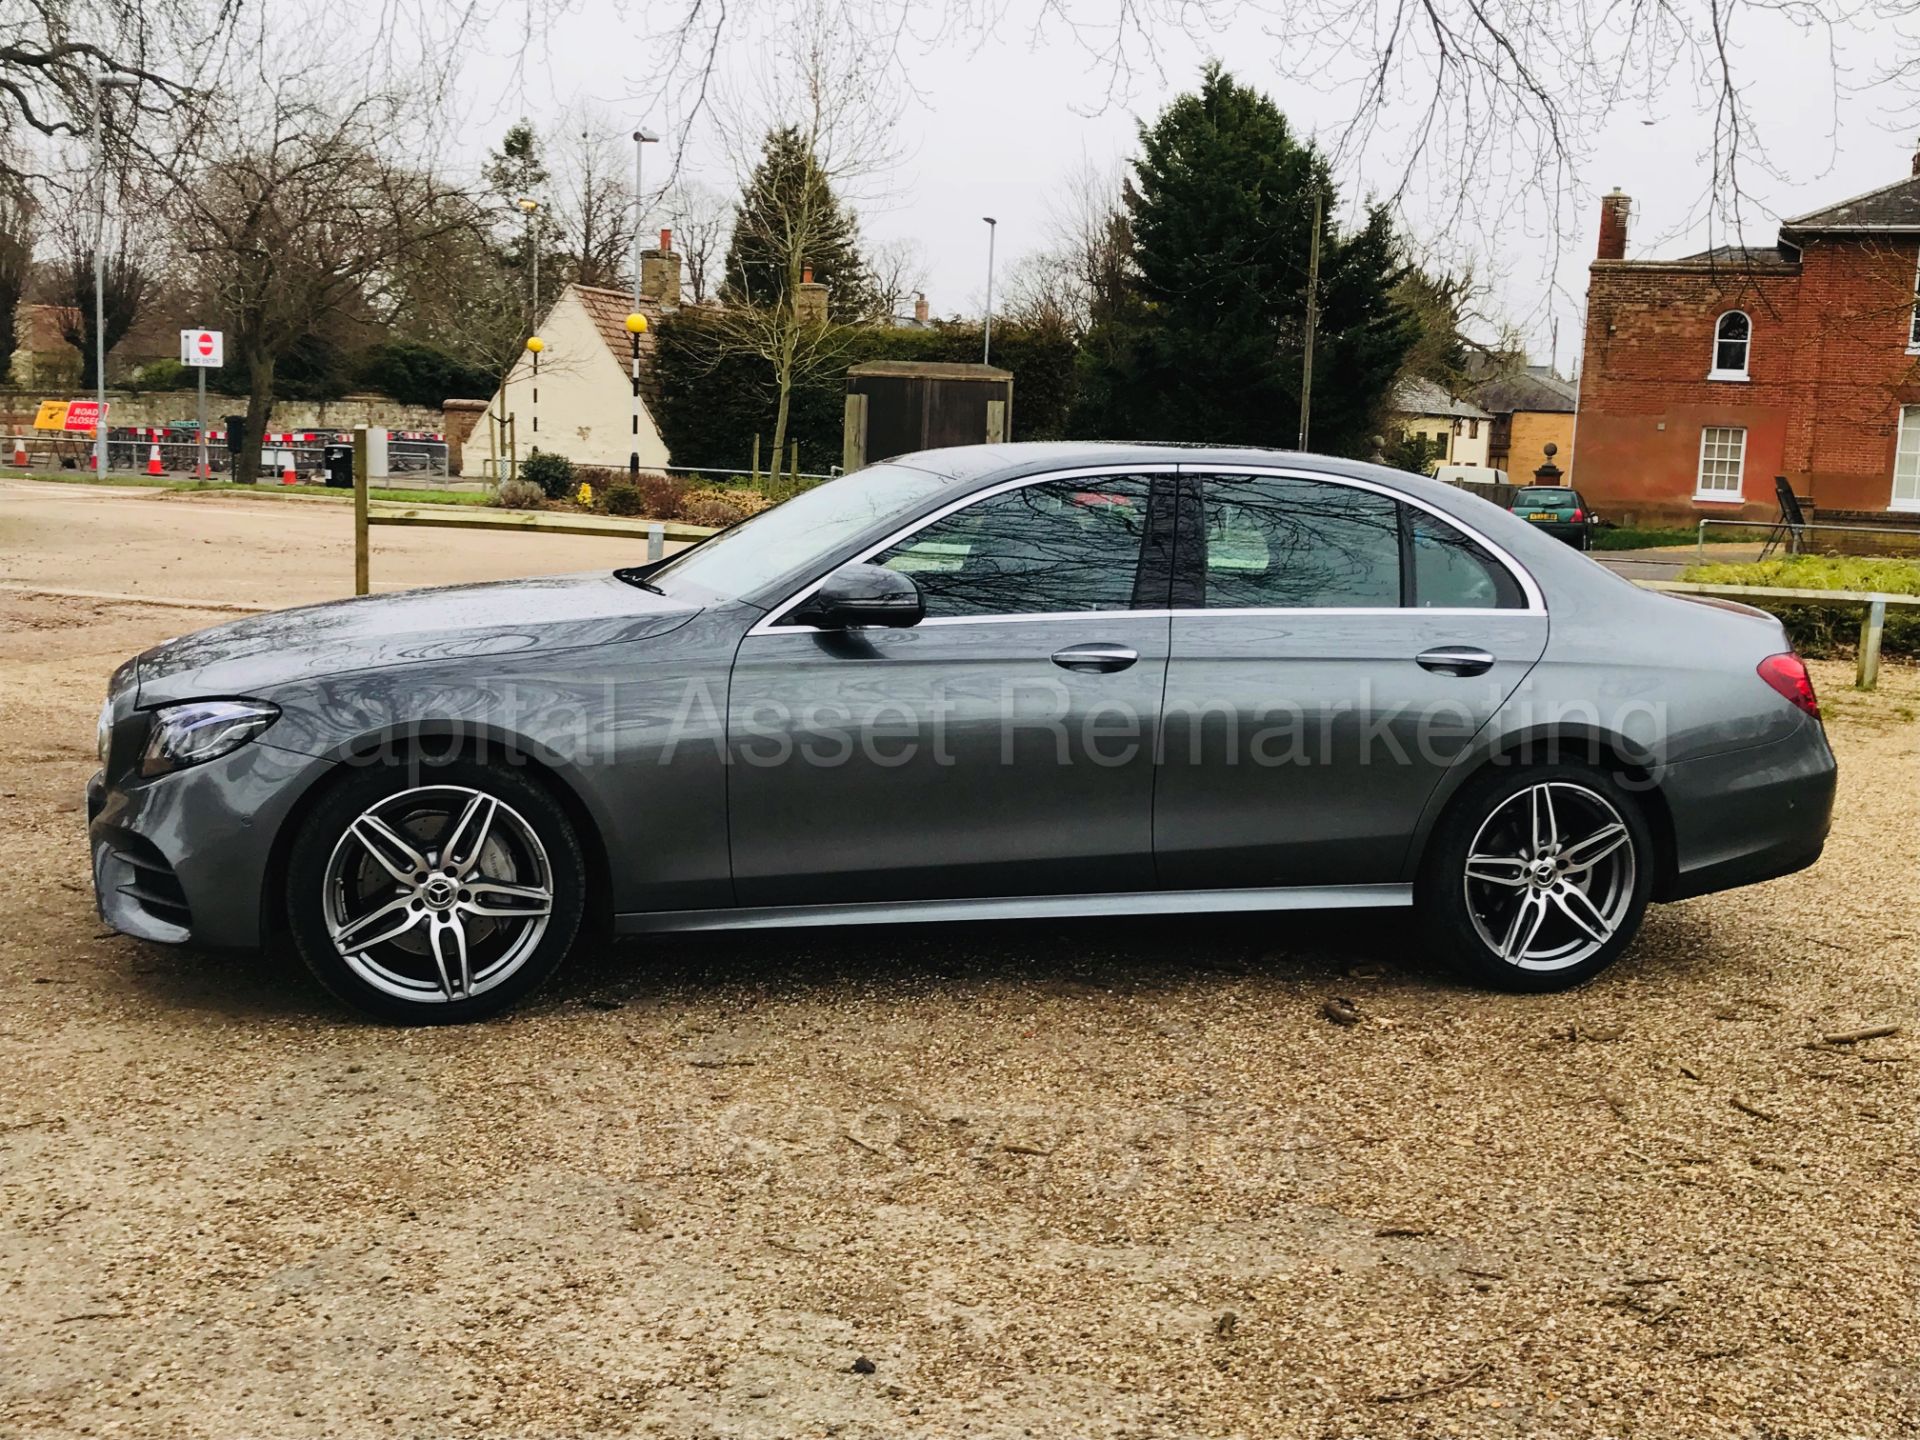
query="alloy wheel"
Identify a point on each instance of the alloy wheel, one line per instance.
(1549, 877)
(437, 894)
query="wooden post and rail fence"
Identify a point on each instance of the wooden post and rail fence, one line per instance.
(367, 514)
(656, 533)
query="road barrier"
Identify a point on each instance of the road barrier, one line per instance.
(130, 449)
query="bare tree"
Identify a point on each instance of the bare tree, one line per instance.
(130, 260)
(593, 203)
(50, 48)
(1476, 108)
(289, 206)
(701, 219)
(899, 272)
(1079, 277)
(823, 107)
(455, 289)
(126, 283)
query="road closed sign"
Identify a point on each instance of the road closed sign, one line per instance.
(84, 415)
(202, 347)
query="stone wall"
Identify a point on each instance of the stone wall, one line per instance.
(171, 407)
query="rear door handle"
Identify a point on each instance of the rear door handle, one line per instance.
(1454, 660)
(1095, 659)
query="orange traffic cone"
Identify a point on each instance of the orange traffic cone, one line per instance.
(154, 467)
(20, 456)
(288, 475)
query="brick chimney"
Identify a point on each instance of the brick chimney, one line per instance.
(660, 273)
(920, 308)
(810, 300)
(1614, 210)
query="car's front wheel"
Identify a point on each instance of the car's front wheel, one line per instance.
(1537, 877)
(436, 894)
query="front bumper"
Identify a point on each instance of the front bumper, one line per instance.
(185, 857)
(1749, 815)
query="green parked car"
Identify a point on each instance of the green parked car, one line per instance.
(1557, 510)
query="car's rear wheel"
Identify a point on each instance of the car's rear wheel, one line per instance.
(435, 894)
(1537, 877)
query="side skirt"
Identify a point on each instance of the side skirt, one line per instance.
(1021, 907)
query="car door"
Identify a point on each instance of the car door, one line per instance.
(1002, 746)
(1334, 647)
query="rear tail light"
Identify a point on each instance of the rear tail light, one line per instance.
(1788, 674)
(1578, 516)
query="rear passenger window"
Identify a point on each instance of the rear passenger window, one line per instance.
(1278, 542)
(1451, 572)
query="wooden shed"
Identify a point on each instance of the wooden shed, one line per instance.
(894, 407)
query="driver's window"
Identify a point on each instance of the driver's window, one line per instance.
(1056, 546)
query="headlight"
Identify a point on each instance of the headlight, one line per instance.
(200, 730)
(103, 729)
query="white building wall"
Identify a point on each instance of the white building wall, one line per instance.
(1461, 441)
(1470, 448)
(585, 407)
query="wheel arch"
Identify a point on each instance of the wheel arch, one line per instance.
(441, 742)
(1572, 744)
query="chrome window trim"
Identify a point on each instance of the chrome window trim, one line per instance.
(1536, 601)
(1458, 612)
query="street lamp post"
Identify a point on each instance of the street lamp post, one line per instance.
(530, 207)
(641, 139)
(101, 82)
(986, 342)
(636, 327)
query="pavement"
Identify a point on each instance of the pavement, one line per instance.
(1665, 562)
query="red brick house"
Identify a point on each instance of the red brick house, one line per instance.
(1705, 377)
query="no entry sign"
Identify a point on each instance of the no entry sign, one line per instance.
(205, 348)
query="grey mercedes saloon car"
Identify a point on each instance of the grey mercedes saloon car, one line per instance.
(1000, 681)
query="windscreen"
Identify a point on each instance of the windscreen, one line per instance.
(812, 525)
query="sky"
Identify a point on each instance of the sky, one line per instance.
(998, 119)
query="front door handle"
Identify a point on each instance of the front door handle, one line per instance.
(1095, 659)
(1454, 660)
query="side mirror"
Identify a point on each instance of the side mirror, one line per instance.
(862, 594)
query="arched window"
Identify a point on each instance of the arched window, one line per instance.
(1732, 336)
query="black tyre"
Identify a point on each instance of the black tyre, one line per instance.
(435, 894)
(1537, 876)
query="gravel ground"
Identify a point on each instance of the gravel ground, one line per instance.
(1088, 1179)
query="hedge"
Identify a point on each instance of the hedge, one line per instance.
(712, 404)
(421, 374)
